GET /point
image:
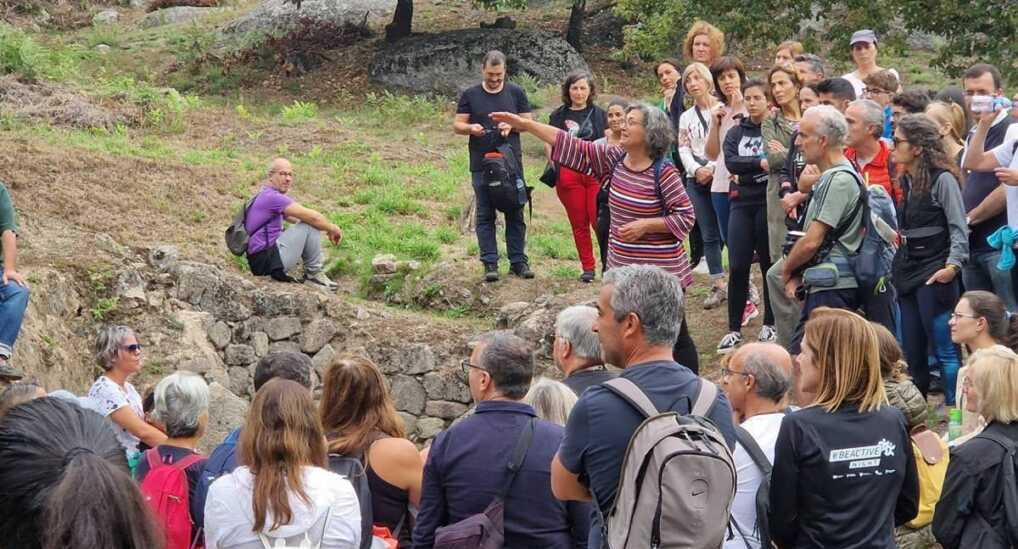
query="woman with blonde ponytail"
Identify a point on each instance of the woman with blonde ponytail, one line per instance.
(950, 119)
(844, 463)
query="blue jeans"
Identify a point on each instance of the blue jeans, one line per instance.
(924, 316)
(13, 302)
(720, 202)
(515, 227)
(980, 273)
(710, 230)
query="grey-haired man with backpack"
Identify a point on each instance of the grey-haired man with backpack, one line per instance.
(638, 321)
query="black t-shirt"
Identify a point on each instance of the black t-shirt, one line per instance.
(478, 103)
(587, 124)
(579, 380)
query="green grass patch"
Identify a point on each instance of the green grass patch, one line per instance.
(566, 272)
(387, 107)
(20, 54)
(299, 112)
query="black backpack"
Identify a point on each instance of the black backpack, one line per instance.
(1009, 478)
(507, 191)
(352, 468)
(763, 492)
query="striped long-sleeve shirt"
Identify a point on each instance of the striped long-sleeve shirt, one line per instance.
(633, 197)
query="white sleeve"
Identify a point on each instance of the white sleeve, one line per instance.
(1004, 153)
(106, 398)
(216, 513)
(344, 528)
(686, 151)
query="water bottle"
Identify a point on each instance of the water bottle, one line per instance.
(989, 103)
(954, 424)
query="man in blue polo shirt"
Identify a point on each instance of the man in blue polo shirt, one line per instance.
(638, 320)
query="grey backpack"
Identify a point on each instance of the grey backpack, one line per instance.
(236, 234)
(677, 480)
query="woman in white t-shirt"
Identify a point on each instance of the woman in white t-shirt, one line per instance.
(864, 55)
(118, 352)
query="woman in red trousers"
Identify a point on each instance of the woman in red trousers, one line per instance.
(580, 117)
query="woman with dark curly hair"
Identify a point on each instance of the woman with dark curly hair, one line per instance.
(931, 220)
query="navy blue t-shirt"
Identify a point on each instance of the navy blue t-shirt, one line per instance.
(601, 423)
(479, 103)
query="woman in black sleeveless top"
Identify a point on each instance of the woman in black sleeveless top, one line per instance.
(360, 420)
(931, 220)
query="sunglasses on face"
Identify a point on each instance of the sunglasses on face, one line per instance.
(132, 348)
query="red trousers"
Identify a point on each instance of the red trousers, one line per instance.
(578, 193)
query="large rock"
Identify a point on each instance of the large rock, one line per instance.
(317, 334)
(227, 411)
(407, 394)
(417, 358)
(194, 350)
(174, 16)
(445, 409)
(278, 17)
(130, 289)
(219, 334)
(209, 289)
(449, 62)
(323, 359)
(282, 327)
(428, 427)
(446, 386)
(240, 355)
(106, 17)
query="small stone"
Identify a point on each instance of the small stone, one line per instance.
(409, 422)
(444, 409)
(240, 378)
(162, 258)
(240, 355)
(106, 17)
(103, 49)
(282, 327)
(220, 334)
(260, 342)
(362, 313)
(383, 264)
(408, 266)
(323, 359)
(428, 427)
(407, 394)
(130, 288)
(284, 347)
(317, 334)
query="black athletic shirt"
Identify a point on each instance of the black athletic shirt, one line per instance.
(478, 103)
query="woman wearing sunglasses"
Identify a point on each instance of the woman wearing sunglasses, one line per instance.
(119, 355)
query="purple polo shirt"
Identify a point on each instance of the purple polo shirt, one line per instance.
(264, 220)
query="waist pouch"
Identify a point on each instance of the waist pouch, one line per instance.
(824, 275)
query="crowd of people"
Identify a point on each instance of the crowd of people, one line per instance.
(882, 221)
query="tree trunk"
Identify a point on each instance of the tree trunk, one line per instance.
(401, 21)
(575, 29)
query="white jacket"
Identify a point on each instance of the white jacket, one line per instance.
(229, 516)
(693, 138)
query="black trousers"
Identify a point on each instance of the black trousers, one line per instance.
(747, 233)
(684, 352)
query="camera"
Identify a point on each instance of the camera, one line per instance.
(790, 239)
(988, 103)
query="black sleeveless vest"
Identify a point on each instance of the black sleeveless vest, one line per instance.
(927, 241)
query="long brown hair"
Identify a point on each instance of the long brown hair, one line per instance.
(281, 436)
(922, 132)
(356, 405)
(846, 353)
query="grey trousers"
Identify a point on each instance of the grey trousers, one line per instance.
(776, 215)
(301, 242)
(786, 311)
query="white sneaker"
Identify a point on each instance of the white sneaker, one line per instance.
(729, 342)
(701, 267)
(768, 334)
(320, 280)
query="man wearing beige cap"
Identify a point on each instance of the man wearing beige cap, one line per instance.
(864, 55)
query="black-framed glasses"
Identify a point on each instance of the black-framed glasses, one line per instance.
(726, 372)
(956, 316)
(466, 366)
(133, 348)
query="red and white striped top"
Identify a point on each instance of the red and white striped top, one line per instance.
(633, 197)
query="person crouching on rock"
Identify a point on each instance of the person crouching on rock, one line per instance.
(273, 251)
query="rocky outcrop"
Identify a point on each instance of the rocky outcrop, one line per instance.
(175, 16)
(279, 17)
(448, 63)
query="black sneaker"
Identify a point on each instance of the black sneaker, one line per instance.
(8, 372)
(521, 270)
(490, 272)
(587, 277)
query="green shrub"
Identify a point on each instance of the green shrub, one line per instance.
(299, 112)
(19, 54)
(408, 109)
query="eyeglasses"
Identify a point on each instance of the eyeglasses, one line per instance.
(726, 372)
(897, 141)
(133, 348)
(626, 123)
(466, 366)
(956, 316)
(284, 174)
(875, 91)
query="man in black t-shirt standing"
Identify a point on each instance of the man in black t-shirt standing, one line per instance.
(494, 94)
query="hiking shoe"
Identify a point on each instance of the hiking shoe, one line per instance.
(587, 277)
(8, 372)
(716, 297)
(767, 334)
(320, 280)
(490, 272)
(754, 296)
(749, 313)
(729, 342)
(521, 270)
(701, 267)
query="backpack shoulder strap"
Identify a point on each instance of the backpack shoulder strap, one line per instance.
(153, 458)
(860, 205)
(632, 394)
(187, 462)
(659, 166)
(519, 454)
(704, 398)
(752, 448)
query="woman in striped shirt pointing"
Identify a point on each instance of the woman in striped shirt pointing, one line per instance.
(650, 212)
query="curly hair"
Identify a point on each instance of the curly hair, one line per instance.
(714, 36)
(922, 133)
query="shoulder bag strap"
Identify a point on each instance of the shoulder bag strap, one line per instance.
(703, 121)
(704, 398)
(632, 394)
(839, 231)
(519, 454)
(753, 449)
(659, 167)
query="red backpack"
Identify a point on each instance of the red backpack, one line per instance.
(165, 489)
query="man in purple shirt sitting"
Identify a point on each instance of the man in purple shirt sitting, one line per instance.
(272, 251)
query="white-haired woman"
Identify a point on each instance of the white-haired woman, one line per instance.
(552, 400)
(650, 212)
(970, 512)
(118, 353)
(181, 409)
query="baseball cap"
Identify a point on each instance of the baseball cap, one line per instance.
(864, 35)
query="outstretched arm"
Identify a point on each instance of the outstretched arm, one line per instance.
(526, 123)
